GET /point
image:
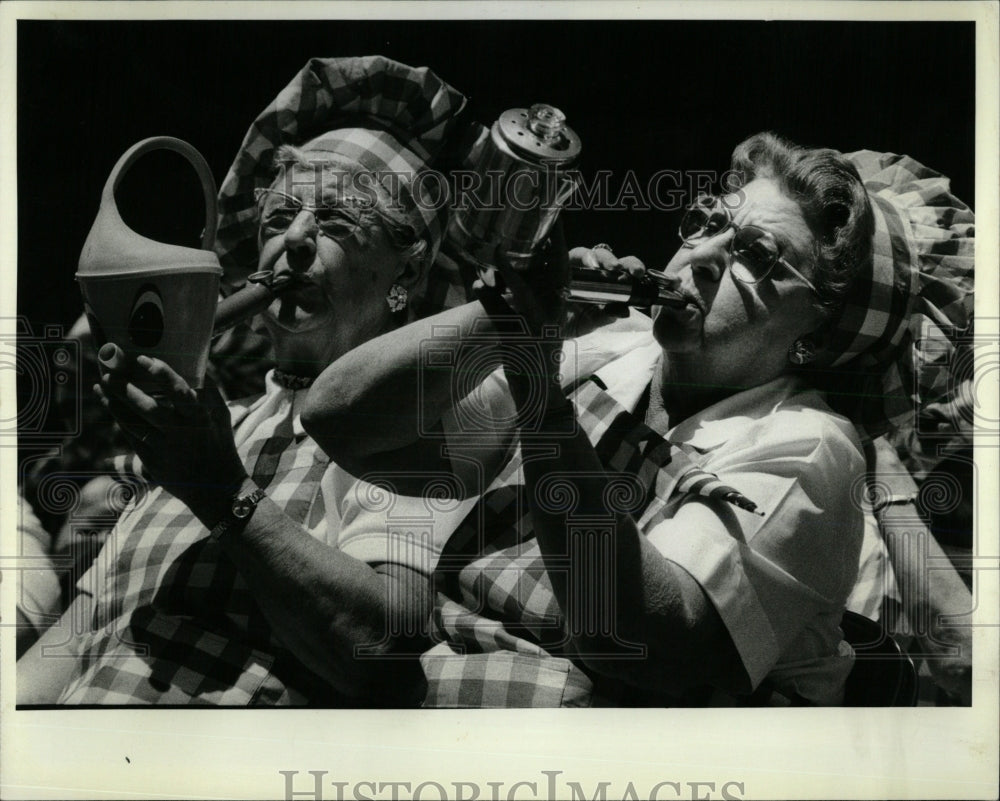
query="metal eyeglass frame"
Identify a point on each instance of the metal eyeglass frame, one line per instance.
(719, 205)
(356, 213)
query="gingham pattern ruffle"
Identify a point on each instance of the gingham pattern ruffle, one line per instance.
(900, 324)
(501, 632)
(390, 117)
(174, 620)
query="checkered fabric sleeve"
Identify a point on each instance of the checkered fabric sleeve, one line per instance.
(499, 625)
(504, 672)
(174, 621)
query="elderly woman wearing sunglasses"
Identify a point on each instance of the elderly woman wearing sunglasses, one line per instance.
(669, 513)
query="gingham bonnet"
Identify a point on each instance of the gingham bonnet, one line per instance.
(388, 117)
(901, 322)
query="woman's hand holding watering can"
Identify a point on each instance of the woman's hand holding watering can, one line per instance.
(183, 436)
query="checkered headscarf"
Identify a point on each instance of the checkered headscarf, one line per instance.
(900, 322)
(388, 117)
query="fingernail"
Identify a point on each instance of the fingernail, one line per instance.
(111, 356)
(143, 361)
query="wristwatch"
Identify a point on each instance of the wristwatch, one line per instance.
(242, 508)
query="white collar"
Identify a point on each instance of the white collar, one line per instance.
(624, 358)
(716, 424)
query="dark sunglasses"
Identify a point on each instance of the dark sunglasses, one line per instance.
(754, 250)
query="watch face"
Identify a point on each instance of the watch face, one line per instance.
(242, 508)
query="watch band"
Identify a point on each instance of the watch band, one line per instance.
(240, 510)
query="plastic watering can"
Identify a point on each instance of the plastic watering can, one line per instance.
(146, 296)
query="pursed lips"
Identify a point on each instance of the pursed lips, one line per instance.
(689, 296)
(680, 288)
(293, 281)
(301, 291)
(692, 300)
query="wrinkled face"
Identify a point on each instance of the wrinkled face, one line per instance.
(736, 331)
(310, 227)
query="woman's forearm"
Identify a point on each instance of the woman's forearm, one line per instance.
(615, 589)
(378, 397)
(931, 591)
(324, 605)
(933, 596)
(934, 589)
(49, 665)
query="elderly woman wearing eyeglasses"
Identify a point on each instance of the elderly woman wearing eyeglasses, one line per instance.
(668, 513)
(251, 574)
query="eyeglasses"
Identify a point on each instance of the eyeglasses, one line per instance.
(338, 222)
(754, 250)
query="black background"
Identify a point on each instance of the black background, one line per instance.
(643, 96)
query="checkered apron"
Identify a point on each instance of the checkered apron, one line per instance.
(175, 622)
(499, 628)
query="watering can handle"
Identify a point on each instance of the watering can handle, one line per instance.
(139, 149)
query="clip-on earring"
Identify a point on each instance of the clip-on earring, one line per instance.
(801, 351)
(396, 298)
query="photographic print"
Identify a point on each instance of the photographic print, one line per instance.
(499, 401)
